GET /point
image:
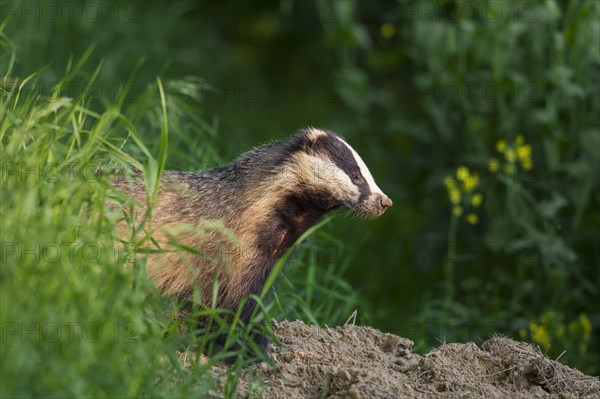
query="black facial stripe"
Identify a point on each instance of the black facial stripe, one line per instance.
(331, 147)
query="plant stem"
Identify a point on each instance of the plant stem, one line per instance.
(450, 261)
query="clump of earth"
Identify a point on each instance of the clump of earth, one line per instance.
(361, 362)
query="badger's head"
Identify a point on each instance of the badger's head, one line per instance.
(333, 172)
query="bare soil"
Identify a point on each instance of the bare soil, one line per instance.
(361, 362)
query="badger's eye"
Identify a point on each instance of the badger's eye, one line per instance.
(355, 176)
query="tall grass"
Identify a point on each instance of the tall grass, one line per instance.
(79, 316)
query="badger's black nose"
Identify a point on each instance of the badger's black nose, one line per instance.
(385, 203)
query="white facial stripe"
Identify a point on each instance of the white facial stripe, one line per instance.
(364, 170)
(322, 173)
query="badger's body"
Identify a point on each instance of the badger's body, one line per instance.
(240, 218)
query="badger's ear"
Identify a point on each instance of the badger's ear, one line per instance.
(309, 138)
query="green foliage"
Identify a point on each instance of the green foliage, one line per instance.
(457, 83)
(556, 337)
(80, 318)
(69, 305)
(533, 211)
(419, 89)
(462, 84)
(312, 289)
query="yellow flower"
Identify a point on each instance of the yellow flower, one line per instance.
(524, 155)
(457, 211)
(527, 165)
(586, 326)
(454, 195)
(462, 173)
(539, 334)
(453, 191)
(508, 169)
(493, 165)
(472, 218)
(471, 183)
(524, 152)
(573, 327)
(387, 30)
(501, 146)
(510, 155)
(517, 151)
(546, 318)
(476, 199)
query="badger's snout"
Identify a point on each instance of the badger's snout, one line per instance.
(375, 205)
(380, 203)
(384, 203)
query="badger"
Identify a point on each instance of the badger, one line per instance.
(236, 221)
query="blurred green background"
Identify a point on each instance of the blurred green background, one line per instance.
(509, 91)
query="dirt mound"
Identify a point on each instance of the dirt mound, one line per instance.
(361, 362)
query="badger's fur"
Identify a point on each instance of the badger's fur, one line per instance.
(242, 217)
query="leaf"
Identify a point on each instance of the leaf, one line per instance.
(549, 208)
(556, 252)
(500, 232)
(552, 153)
(590, 143)
(519, 245)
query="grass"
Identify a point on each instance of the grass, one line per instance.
(437, 94)
(80, 317)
